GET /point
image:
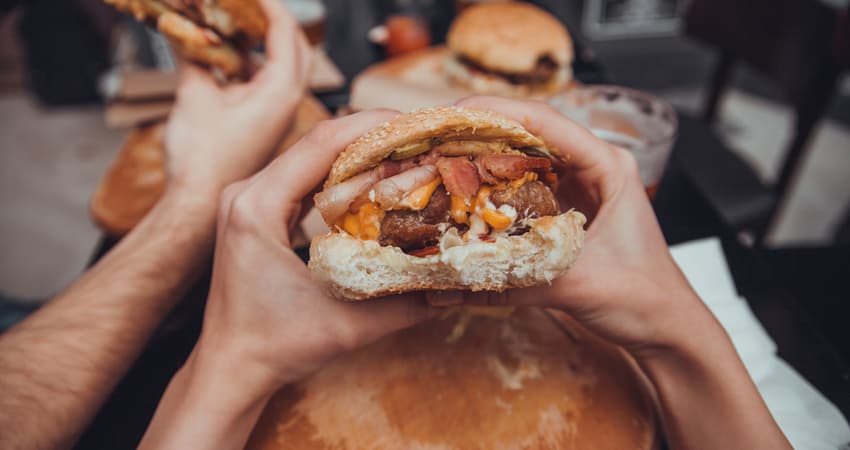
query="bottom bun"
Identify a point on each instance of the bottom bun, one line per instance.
(358, 269)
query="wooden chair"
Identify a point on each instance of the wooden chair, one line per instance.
(790, 42)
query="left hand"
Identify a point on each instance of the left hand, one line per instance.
(217, 135)
(267, 323)
(264, 309)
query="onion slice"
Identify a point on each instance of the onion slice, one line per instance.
(389, 192)
(334, 201)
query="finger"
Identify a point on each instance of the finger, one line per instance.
(287, 52)
(281, 30)
(381, 316)
(293, 175)
(583, 148)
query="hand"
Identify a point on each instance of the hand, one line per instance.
(625, 286)
(220, 134)
(264, 309)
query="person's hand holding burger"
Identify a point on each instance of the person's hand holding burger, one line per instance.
(219, 134)
(626, 287)
(267, 322)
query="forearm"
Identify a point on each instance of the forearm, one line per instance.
(706, 396)
(205, 408)
(58, 366)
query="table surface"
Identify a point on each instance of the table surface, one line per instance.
(683, 212)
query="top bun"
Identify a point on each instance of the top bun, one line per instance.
(448, 123)
(509, 37)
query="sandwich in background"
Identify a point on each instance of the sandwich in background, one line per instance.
(511, 49)
(136, 179)
(218, 34)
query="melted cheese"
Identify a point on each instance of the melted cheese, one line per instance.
(365, 223)
(501, 218)
(479, 214)
(496, 219)
(460, 209)
(419, 197)
(528, 177)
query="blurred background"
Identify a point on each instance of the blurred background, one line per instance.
(767, 75)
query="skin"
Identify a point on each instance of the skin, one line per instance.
(59, 365)
(268, 323)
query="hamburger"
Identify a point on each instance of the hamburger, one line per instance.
(215, 33)
(443, 198)
(511, 49)
(515, 383)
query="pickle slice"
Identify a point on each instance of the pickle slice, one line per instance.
(411, 150)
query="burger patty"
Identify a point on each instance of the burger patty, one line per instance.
(530, 200)
(412, 230)
(542, 72)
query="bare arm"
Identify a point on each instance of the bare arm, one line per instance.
(59, 365)
(707, 399)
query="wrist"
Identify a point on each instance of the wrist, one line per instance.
(207, 405)
(687, 336)
(235, 359)
(196, 193)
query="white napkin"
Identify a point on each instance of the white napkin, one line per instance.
(806, 417)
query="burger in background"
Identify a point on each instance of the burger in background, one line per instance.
(218, 34)
(509, 49)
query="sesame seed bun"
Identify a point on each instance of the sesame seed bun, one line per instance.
(509, 37)
(448, 122)
(357, 269)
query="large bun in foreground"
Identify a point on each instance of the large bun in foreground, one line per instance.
(359, 269)
(515, 383)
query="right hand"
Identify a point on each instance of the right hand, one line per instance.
(217, 135)
(624, 286)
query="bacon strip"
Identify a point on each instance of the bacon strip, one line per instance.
(459, 176)
(422, 252)
(509, 167)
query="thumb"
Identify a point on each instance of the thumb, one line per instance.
(381, 316)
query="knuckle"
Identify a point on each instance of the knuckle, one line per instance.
(347, 336)
(225, 201)
(243, 212)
